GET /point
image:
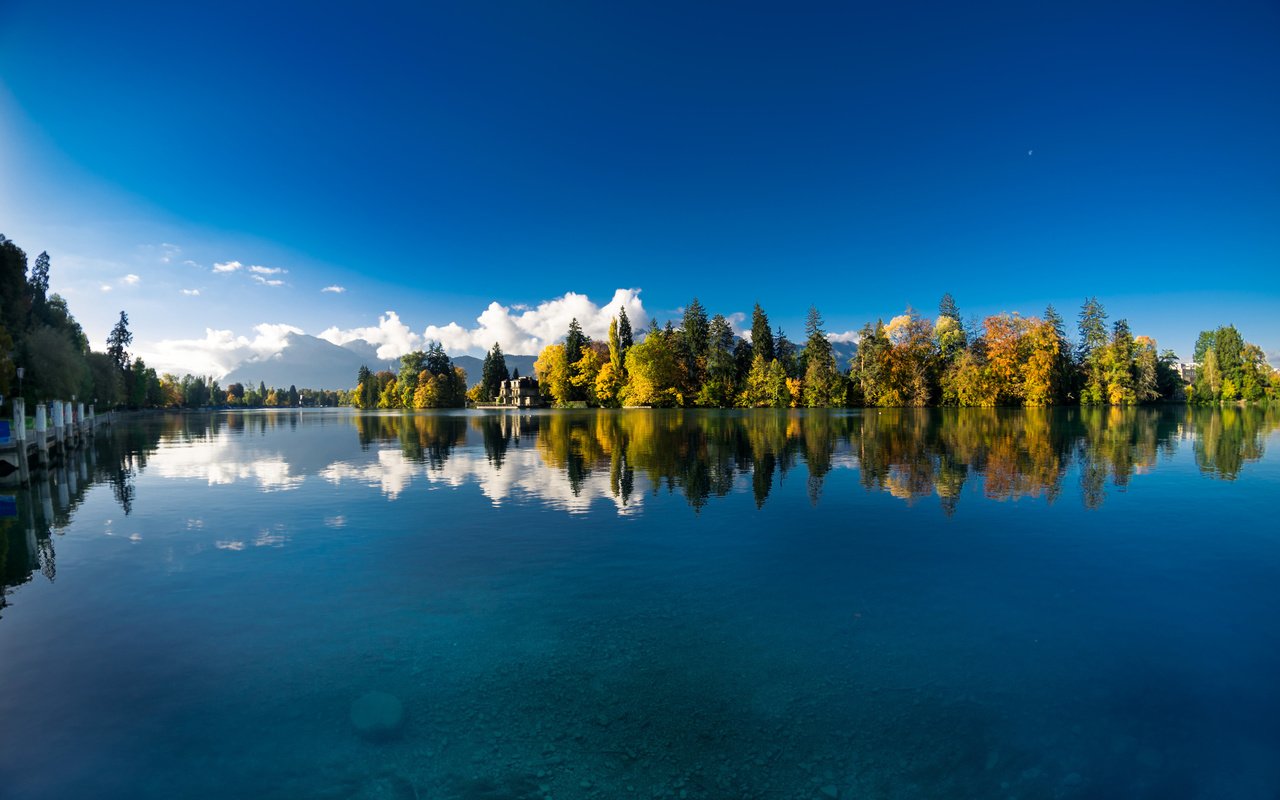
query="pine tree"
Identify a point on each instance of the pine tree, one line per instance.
(761, 335)
(40, 278)
(437, 362)
(947, 308)
(693, 343)
(118, 342)
(625, 338)
(574, 341)
(1093, 341)
(785, 353)
(493, 372)
(822, 384)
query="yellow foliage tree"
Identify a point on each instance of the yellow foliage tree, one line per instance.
(552, 369)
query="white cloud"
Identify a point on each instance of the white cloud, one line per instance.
(845, 338)
(191, 292)
(219, 351)
(130, 280)
(335, 289)
(259, 270)
(528, 331)
(521, 331)
(228, 266)
(106, 287)
(391, 336)
(268, 281)
(168, 252)
(190, 263)
(518, 329)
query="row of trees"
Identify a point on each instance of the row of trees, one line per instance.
(1004, 360)
(426, 379)
(38, 332)
(1229, 369)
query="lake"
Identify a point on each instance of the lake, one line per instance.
(849, 604)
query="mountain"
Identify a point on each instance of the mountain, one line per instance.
(308, 362)
(843, 351)
(472, 365)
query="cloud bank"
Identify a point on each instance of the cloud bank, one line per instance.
(516, 329)
(219, 351)
(519, 330)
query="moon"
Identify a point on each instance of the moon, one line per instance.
(1029, 152)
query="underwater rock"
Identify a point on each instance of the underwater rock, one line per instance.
(386, 787)
(377, 716)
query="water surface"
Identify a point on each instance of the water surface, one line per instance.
(875, 604)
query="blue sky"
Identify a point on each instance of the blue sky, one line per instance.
(434, 159)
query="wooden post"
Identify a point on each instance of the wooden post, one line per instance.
(59, 425)
(20, 438)
(46, 500)
(42, 433)
(64, 497)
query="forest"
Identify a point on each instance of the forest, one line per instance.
(39, 335)
(911, 361)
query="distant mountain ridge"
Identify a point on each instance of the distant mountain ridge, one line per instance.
(309, 362)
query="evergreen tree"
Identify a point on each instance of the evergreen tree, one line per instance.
(366, 389)
(822, 384)
(574, 341)
(118, 342)
(761, 335)
(1063, 371)
(40, 278)
(718, 389)
(1093, 341)
(624, 332)
(437, 362)
(694, 334)
(947, 308)
(785, 353)
(493, 372)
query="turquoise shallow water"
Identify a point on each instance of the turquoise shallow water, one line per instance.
(892, 604)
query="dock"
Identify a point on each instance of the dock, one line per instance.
(58, 428)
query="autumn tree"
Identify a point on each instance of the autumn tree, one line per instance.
(552, 370)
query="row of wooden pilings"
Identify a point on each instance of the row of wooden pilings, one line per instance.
(60, 425)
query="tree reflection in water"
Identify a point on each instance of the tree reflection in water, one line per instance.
(908, 453)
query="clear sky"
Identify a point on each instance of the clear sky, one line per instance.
(432, 159)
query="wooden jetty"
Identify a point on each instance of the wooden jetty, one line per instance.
(60, 427)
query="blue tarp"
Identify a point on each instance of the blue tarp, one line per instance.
(5, 434)
(8, 505)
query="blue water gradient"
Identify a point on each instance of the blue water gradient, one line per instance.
(863, 604)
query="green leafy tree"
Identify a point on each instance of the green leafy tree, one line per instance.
(654, 373)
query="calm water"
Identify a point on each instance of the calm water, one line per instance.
(870, 604)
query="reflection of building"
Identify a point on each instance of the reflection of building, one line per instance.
(520, 392)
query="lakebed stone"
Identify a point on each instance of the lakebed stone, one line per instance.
(377, 716)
